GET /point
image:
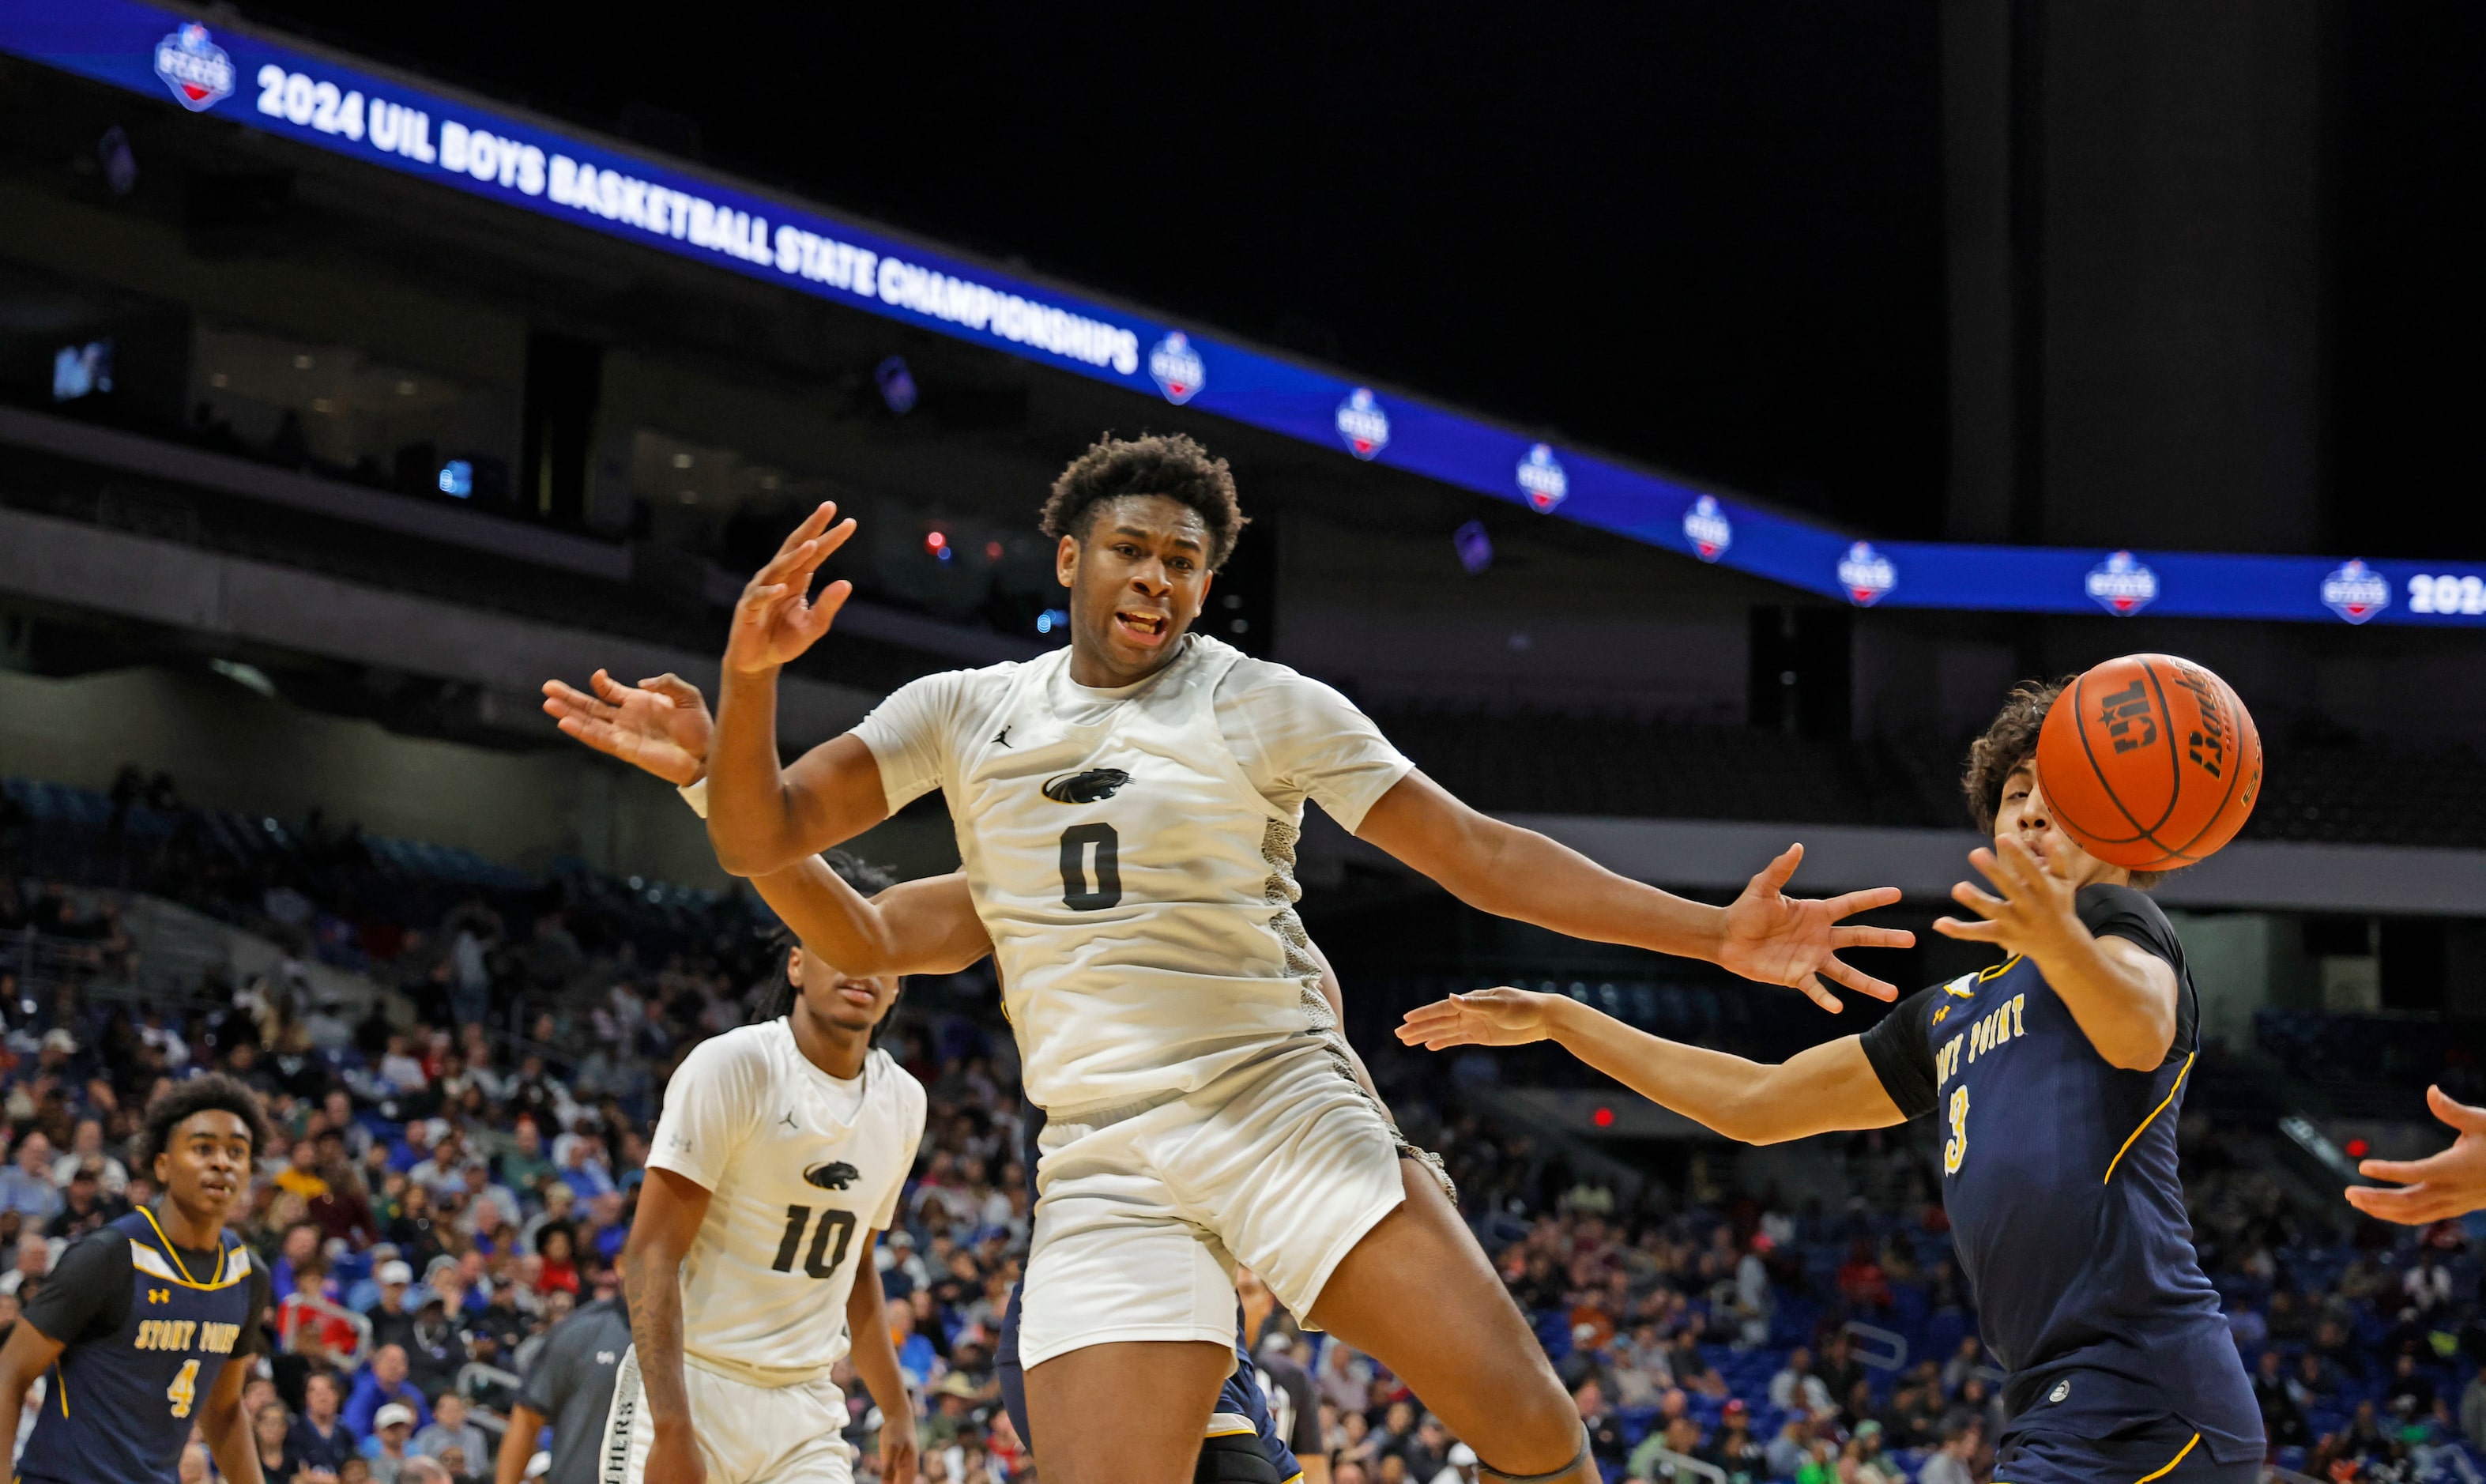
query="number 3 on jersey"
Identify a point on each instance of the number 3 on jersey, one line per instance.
(1076, 843)
(1955, 1148)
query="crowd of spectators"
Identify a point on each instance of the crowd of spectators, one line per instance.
(446, 1181)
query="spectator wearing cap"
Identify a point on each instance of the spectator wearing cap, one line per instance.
(392, 1428)
(85, 1204)
(1427, 1448)
(381, 1384)
(1736, 1452)
(320, 1438)
(393, 1317)
(434, 1348)
(26, 1183)
(1864, 1462)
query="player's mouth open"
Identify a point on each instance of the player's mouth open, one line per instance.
(856, 993)
(1146, 628)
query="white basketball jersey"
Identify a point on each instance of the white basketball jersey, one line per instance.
(800, 1175)
(1138, 887)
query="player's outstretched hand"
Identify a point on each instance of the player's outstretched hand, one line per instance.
(2437, 1188)
(659, 725)
(1489, 1017)
(900, 1455)
(1787, 940)
(777, 618)
(2036, 914)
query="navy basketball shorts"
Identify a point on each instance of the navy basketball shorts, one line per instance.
(2162, 1450)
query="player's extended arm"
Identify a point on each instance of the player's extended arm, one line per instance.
(1829, 1087)
(1498, 867)
(517, 1445)
(923, 926)
(671, 1208)
(2437, 1187)
(762, 819)
(228, 1432)
(2122, 996)
(29, 1352)
(875, 1361)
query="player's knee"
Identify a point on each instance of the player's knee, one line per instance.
(1535, 1427)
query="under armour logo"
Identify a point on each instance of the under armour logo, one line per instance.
(1002, 736)
(159, 1295)
(604, 1358)
(789, 1120)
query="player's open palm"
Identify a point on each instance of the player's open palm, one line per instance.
(660, 726)
(1777, 939)
(1488, 1017)
(2437, 1187)
(777, 617)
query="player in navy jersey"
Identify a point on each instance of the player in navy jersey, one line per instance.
(2058, 1075)
(150, 1322)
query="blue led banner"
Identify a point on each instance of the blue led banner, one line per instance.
(494, 154)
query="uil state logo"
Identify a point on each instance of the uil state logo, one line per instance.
(1541, 478)
(1177, 368)
(2121, 584)
(195, 67)
(1363, 423)
(2356, 592)
(1867, 575)
(1707, 529)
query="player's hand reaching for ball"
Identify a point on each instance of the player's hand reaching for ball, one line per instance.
(2036, 914)
(2434, 1189)
(1488, 1017)
(660, 725)
(1777, 939)
(777, 618)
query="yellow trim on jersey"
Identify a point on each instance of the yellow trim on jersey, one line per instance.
(1953, 987)
(1998, 970)
(61, 1387)
(2173, 1461)
(1233, 1432)
(1298, 1478)
(232, 1264)
(2136, 1134)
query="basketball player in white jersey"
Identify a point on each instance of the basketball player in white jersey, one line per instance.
(776, 1162)
(1126, 811)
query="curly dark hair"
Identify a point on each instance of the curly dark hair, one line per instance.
(777, 1001)
(211, 1092)
(2009, 742)
(1168, 465)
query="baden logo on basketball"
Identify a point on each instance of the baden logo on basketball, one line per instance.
(1085, 787)
(2150, 762)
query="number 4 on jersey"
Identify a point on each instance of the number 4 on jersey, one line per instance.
(819, 1262)
(183, 1392)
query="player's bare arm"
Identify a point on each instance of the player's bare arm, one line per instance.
(671, 1208)
(1830, 1087)
(2437, 1187)
(875, 1359)
(1765, 934)
(228, 1432)
(2122, 996)
(662, 726)
(762, 819)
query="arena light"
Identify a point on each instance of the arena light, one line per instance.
(396, 122)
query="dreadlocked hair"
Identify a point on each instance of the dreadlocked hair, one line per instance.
(777, 1000)
(209, 1092)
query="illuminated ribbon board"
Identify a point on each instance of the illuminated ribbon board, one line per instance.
(493, 153)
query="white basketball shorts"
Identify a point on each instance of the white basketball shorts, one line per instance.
(747, 1434)
(1284, 1164)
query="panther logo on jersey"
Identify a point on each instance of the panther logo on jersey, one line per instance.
(1086, 787)
(835, 1176)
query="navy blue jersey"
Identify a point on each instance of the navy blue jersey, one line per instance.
(2058, 1173)
(1240, 1398)
(149, 1329)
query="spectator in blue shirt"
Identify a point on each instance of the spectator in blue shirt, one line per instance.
(382, 1382)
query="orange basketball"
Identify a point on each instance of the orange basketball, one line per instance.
(2149, 762)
